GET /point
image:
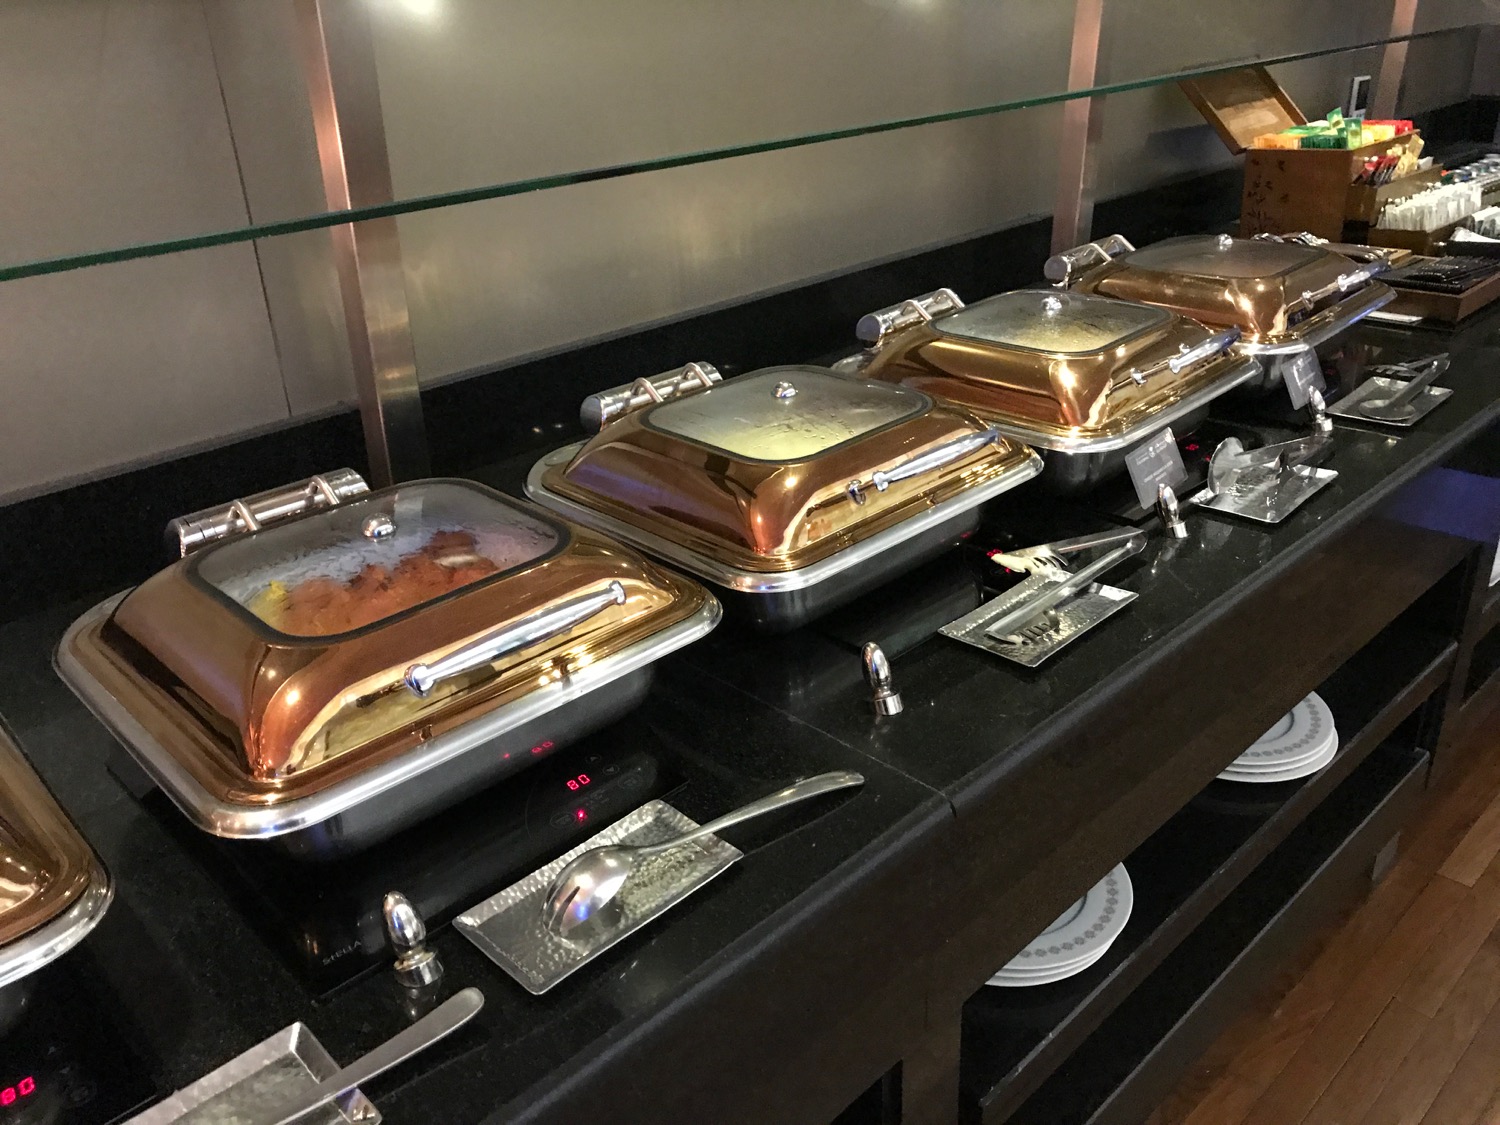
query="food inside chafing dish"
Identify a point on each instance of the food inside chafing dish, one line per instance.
(322, 605)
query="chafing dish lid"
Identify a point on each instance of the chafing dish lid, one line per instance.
(775, 470)
(361, 564)
(45, 865)
(1229, 258)
(1057, 323)
(785, 414)
(1062, 370)
(278, 663)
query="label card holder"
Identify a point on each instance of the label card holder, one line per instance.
(1302, 375)
(1153, 463)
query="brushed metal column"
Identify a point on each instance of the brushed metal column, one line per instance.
(338, 57)
(1393, 62)
(1082, 127)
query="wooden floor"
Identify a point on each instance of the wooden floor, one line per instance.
(1393, 1015)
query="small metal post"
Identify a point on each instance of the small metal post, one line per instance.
(1082, 127)
(1393, 62)
(338, 56)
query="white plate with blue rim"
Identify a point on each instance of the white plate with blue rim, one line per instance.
(1079, 937)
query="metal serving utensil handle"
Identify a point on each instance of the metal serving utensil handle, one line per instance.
(538, 627)
(802, 790)
(934, 458)
(876, 326)
(1416, 385)
(442, 1021)
(1010, 622)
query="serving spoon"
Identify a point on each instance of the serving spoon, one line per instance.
(1399, 408)
(591, 881)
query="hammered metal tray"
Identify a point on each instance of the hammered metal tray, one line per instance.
(508, 926)
(1269, 495)
(247, 1089)
(1041, 637)
(1378, 386)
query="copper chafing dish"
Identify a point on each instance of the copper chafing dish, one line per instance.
(332, 678)
(1285, 297)
(1082, 378)
(53, 889)
(792, 489)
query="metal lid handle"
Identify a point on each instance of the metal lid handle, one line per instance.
(920, 463)
(538, 627)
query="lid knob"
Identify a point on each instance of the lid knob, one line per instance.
(378, 527)
(1223, 242)
(785, 391)
(883, 697)
(1169, 510)
(416, 965)
(1052, 305)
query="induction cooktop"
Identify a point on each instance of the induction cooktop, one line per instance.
(62, 1059)
(324, 918)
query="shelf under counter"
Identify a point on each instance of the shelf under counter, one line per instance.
(1015, 1039)
(1135, 1058)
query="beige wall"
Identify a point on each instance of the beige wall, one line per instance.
(123, 122)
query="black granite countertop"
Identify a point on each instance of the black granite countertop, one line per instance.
(818, 939)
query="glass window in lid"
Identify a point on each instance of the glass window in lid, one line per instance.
(1042, 321)
(365, 562)
(1210, 256)
(785, 414)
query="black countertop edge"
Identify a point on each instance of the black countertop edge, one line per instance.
(788, 924)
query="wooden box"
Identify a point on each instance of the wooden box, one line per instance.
(1288, 189)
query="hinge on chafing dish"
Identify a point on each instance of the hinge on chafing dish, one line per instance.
(876, 326)
(186, 534)
(1063, 267)
(627, 398)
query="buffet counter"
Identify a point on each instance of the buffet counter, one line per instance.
(844, 958)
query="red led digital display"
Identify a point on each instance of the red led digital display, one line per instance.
(542, 747)
(9, 1095)
(577, 783)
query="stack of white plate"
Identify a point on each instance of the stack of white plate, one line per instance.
(1302, 742)
(1076, 940)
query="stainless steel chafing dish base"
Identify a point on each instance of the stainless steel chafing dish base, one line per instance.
(1378, 386)
(265, 1076)
(374, 805)
(1268, 495)
(509, 928)
(1047, 633)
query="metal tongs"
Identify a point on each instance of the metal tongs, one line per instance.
(1418, 373)
(1047, 561)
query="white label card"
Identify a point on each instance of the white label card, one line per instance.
(1495, 570)
(1301, 375)
(1153, 463)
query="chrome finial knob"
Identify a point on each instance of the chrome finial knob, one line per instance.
(416, 965)
(378, 527)
(1223, 242)
(1052, 305)
(883, 697)
(785, 391)
(1170, 512)
(1318, 410)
